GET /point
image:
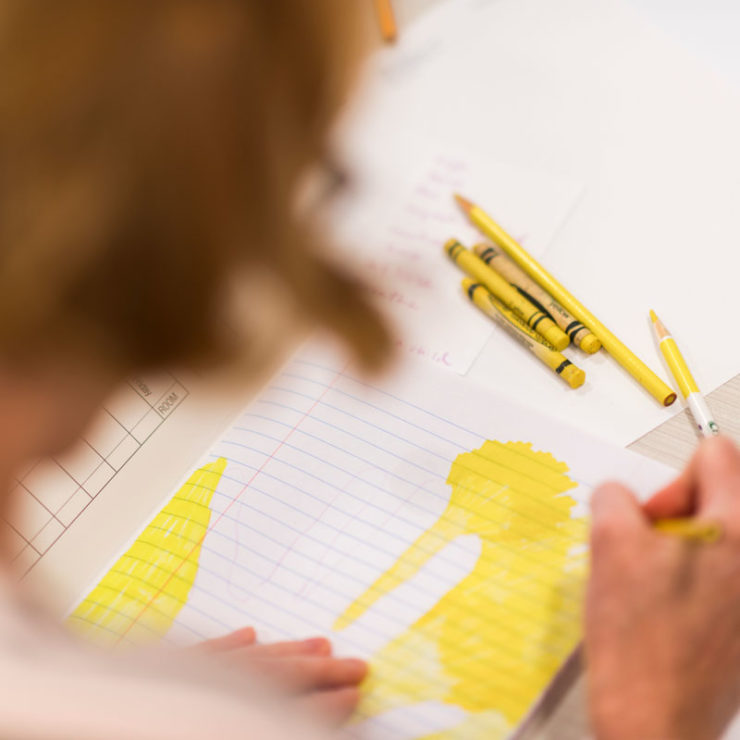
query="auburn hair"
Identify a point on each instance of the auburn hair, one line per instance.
(150, 152)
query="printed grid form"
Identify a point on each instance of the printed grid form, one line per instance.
(52, 493)
(327, 482)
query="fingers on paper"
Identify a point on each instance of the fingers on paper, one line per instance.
(312, 646)
(233, 641)
(335, 706)
(246, 640)
(308, 673)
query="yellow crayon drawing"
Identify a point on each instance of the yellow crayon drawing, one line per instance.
(143, 592)
(494, 641)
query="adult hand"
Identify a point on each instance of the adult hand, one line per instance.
(662, 615)
(305, 669)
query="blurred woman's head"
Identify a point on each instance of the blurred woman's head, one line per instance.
(149, 157)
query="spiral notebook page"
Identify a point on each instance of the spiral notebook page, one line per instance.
(427, 525)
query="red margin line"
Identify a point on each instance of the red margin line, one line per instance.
(233, 501)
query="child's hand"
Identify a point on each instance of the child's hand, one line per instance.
(322, 683)
(663, 615)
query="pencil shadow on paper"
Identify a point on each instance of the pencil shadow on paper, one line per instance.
(491, 643)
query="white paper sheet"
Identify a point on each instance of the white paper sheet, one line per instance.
(586, 90)
(354, 509)
(708, 28)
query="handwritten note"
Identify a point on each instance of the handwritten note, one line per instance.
(398, 244)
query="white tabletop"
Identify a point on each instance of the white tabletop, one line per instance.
(708, 29)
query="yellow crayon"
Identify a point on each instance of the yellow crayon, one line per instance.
(507, 294)
(518, 328)
(619, 351)
(387, 19)
(579, 334)
(693, 530)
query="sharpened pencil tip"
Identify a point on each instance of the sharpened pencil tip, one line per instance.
(659, 327)
(464, 203)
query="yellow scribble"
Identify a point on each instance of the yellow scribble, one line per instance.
(143, 592)
(494, 641)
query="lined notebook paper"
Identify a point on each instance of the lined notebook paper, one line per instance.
(423, 523)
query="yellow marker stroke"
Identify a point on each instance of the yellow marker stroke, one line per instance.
(143, 592)
(494, 641)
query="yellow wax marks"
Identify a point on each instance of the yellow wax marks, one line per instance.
(493, 642)
(143, 592)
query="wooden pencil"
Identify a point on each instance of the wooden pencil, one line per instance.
(387, 19)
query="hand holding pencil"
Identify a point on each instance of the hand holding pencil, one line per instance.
(662, 624)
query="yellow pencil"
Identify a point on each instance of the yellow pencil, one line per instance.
(686, 383)
(387, 19)
(619, 351)
(693, 530)
(538, 320)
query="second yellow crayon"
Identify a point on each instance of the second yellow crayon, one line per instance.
(507, 294)
(508, 320)
(507, 268)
